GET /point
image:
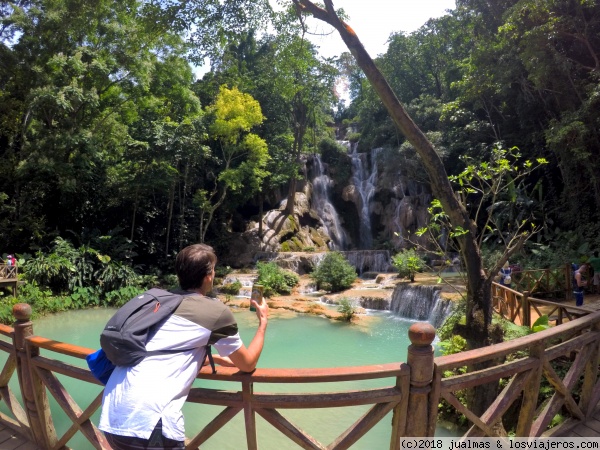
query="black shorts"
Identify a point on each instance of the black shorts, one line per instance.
(156, 441)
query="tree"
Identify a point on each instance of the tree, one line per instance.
(242, 155)
(479, 297)
(334, 273)
(408, 263)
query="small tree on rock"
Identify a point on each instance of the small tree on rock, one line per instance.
(408, 262)
(334, 273)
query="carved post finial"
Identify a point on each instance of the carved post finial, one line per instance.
(22, 311)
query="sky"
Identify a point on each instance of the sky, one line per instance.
(374, 21)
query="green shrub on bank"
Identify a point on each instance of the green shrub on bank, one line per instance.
(275, 279)
(408, 263)
(334, 273)
(66, 269)
(231, 288)
(346, 309)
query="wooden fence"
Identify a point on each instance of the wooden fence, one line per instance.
(516, 370)
(9, 277)
(7, 271)
(547, 283)
(523, 309)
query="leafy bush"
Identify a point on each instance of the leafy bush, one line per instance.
(346, 309)
(67, 269)
(275, 279)
(231, 288)
(408, 263)
(122, 295)
(334, 273)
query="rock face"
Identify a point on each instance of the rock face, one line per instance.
(360, 201)
(302, 231)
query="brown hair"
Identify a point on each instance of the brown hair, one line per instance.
(193, 264)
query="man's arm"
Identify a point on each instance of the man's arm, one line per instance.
(244, 358)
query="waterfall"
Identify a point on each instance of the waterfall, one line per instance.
(322, 204)
(370, 260)
(421, 303)
(364, 178)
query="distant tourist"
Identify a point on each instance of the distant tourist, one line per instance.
(579, 284)
(505, 275)
(595, 263)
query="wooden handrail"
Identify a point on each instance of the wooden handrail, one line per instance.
(416, 388)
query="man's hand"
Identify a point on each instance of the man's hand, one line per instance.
(262, 310)
(244, 358)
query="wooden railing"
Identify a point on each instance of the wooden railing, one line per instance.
(9, 277)
(516, 369)
(8, 272)
(564, 358)
(547, 283)
(523, 309)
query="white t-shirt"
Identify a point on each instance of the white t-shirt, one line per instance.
(135, 398)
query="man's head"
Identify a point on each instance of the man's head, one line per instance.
(193, 264)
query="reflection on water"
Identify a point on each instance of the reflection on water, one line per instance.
(292, 341)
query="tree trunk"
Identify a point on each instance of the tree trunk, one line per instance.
(170, 216)
(260, 215)
(478, 287)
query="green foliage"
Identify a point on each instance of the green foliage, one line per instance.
(457, 317)
(68, 269)
(231, 288)
(275, 279)
(81, 297)
(408, 263)
(222, 271)
(540, 324)
(455, 344)
(336, 156)
(334, 273)
(122, 295)
(346, 309)
(353, 137)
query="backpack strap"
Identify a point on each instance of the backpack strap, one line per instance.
(210, 359)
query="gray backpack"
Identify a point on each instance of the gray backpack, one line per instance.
(125, 335)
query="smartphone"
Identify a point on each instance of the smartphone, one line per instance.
(257, 295)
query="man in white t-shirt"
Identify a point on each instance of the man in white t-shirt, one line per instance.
(141, 406)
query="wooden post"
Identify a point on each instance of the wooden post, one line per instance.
(568, 283)
(249, 414)
(590, 376)
(526, 310)
(33, 391)
(420, 360)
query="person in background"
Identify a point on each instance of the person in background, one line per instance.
(595, 263)
(579, 283)
(505, 275)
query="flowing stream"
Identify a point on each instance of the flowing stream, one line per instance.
(292, 341)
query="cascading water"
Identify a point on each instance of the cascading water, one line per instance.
(420, 303)
(322, 204)
(370, 260)
(364, 178)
